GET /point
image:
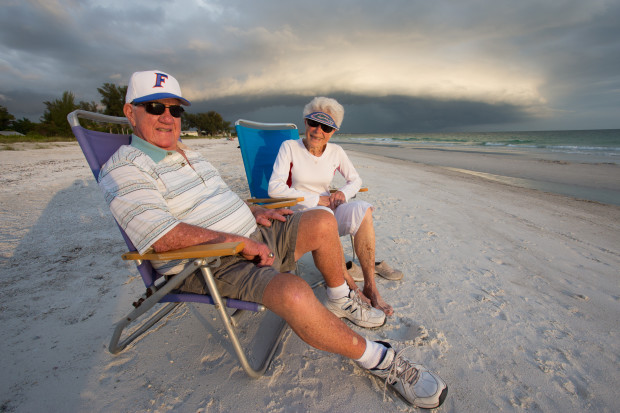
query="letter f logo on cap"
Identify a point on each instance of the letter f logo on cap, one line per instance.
(160, 79)
(141, 87)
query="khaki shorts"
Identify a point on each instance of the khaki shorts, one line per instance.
(241, 279)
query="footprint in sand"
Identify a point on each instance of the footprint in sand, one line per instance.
(578, 296)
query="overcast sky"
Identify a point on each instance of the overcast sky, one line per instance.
(395, 65)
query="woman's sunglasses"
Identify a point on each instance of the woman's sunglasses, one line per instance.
(157, 108)
(314, 124)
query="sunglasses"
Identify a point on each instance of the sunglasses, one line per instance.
(314, 124)
(157, 108)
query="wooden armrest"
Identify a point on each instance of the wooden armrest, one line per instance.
(273, 203)
(362, 189)
(196, 251)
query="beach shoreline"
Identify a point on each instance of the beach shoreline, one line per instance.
(584, 177)
(511, 294)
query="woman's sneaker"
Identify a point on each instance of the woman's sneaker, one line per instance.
(355, 271)
(355, 310)
(415, 383)
(383, 269)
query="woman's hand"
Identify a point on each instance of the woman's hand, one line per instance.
(333, 201)
(324, 200)
(336, 199)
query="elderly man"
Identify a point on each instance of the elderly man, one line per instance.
(166, 196)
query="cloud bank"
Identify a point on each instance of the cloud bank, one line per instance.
(398, 64)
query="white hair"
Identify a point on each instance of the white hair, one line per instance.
(326, 105)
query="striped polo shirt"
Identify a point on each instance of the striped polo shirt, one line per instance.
(150, 190)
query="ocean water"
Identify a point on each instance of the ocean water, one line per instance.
(594, 147)
(590, 145)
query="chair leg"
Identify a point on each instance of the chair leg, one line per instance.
(115, 347)
(353, 247)
(228, 324)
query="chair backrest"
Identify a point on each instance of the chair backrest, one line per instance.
(98, 147)
(260, 143)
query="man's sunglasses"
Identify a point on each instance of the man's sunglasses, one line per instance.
(157, 108)
(314, 124)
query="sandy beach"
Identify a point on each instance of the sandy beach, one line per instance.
(511, 294)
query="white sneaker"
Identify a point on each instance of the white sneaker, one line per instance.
(355, 310)
(414, 382)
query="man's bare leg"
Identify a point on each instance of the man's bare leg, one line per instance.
(291, 298)
(318, 232)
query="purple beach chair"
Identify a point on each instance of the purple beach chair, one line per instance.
(97, 148)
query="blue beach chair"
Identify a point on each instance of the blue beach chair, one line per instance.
(260, 143)
(97, 148)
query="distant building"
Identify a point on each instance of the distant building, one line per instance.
(189, 133)
(10, 133)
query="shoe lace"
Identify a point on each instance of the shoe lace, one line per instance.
(357, 299)
(401, 369)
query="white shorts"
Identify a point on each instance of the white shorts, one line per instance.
(349, 216)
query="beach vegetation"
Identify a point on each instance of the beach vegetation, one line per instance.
(53, 125)
(210, 123)
(54, 119)
(112, 98)
(35, 138)
(5, 118)
(23, 125)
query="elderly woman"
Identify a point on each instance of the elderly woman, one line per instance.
(306, 167)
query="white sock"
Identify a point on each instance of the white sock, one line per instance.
(334, 293)
(372, 355)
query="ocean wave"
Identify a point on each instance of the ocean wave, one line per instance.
(585, 148)
(365, 139)
(513, 142)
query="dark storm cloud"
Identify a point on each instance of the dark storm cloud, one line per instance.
(396, 65)
(394, 114)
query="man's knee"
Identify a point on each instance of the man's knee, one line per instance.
(321, 221)
(288, 291)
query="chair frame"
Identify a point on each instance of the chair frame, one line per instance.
(205, 257)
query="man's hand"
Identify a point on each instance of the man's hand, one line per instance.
(257, 252)
(264, 216)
